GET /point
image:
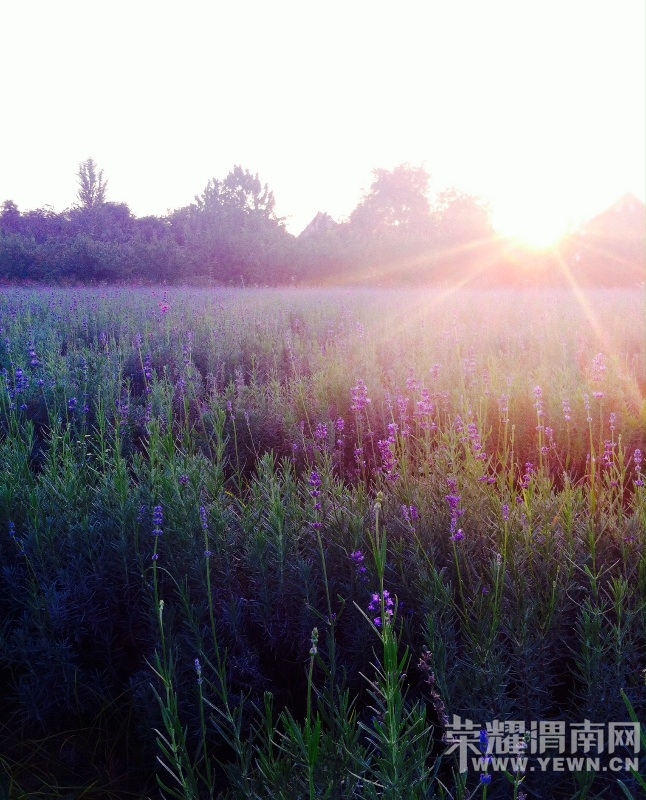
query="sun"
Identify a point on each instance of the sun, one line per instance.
(531, 225)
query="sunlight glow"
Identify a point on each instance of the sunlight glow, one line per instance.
(534, 226)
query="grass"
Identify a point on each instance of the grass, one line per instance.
(267, 544)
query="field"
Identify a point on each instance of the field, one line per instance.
(272, 544)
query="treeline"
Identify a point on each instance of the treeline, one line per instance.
(232, 235)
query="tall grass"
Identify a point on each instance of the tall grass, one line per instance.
(266, 544)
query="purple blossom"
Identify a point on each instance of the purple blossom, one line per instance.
(387, 452)
(183, 480)
(158, 521)
(315, 483)
(71, 404)
(484, 740)
(527, 477)
(503, 405)
(505, 512)
(638, 459)
(204, 519)
(376, 605)
(320, 433)
(567, 411)
(360, 399)
(340, 425)
(410, 514)
(198, 670)
(358, 457)
(598, 367)
(358, 559)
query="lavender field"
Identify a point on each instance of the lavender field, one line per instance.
(275, 543)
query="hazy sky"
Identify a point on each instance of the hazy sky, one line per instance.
(538, 107)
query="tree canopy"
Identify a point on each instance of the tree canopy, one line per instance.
(231, 234)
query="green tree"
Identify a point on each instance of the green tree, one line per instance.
(92, 186)
(396, 204)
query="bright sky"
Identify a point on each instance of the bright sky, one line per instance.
(538, 106)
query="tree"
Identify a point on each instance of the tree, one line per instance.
(460, 219)
(92, 187)
(232, 231)
(396, 204)
(240, 192)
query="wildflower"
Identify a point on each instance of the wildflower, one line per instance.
(376, 603)
(71, 404)
(158, 520)
(321, 432)
(360, 399)
(638, 458)
(358, 457)
(183, 480)
(204, 518)
(198, 670)
(484, 740)
(454, 500)
(567, 411)
(527, 477)
(340, 425)
(586, 403)
(538, 404)
(357, 557)
(613, 421)
(505, 512)
(598, 367)
(503, 405)
(410, 514)
(315, 483)
(387, 452)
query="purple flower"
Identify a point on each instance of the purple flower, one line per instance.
(158, 521)
(376, 605)
(198, 670)
(360, 399)
(71, 404)
(410, 514)
(527, 477)
(183, 480)
(204, 518)
(340, 425)
(315, 483)
(320, 432)
(505, 512)
(598, 367)
(567, 411)
(458, 536)
(358, 558)
(484, 740)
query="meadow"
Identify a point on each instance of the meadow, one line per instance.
(273, 543)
